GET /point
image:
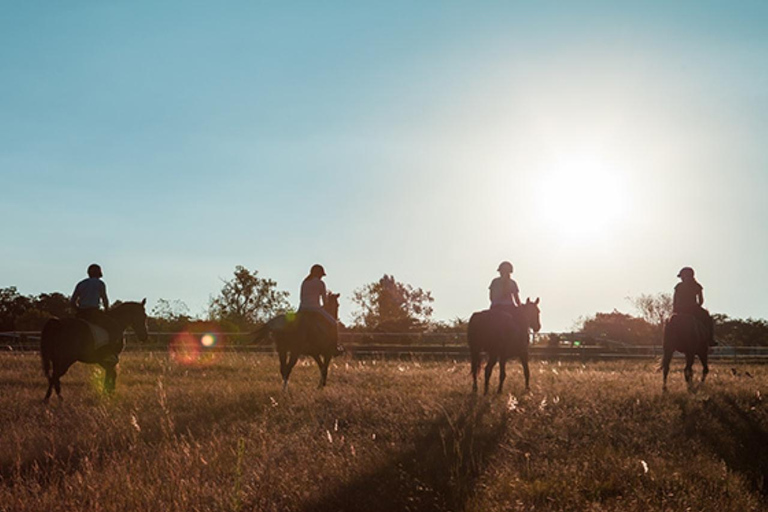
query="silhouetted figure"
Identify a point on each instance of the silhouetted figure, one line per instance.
(690, 330)
(67, 340)
(304, 333)
(502, 335)
(689, 299)
(86, 299)
(504, 292)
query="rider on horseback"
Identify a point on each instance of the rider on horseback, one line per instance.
(504, 292)
(313, 297)
(688, 300)
(88, 294)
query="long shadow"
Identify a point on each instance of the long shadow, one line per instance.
(439, 474)
(734, 436)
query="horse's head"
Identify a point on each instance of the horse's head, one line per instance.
(331, 305)
(532, 314)
(134, 315)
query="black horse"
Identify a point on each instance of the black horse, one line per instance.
(502, 335)
(65, 341)
(685, 333)
(304, 333)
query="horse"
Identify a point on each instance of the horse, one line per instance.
(297, 334)
(685, 333)
(502, 335)
(65, 341)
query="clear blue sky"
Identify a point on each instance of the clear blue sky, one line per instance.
(599, 146)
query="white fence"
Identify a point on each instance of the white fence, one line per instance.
(425, 344)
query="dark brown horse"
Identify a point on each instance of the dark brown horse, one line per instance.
(65, 341)
(502, 335)
(685, 333)
(304, 333)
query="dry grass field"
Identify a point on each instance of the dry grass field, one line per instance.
(222, 436)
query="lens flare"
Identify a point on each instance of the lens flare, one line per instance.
(208, 340)
(199, 345)
(185, 348)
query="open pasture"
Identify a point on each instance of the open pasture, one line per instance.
(384, 435)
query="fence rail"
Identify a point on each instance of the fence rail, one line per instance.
(398, 345)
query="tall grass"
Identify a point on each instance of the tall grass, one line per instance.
(382, 436)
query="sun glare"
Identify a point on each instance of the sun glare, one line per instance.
(581, 199)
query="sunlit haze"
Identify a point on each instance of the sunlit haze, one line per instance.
(599, 147)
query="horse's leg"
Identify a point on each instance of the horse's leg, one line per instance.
(283, 356)
(526, 371)
(704, 358)
(322, 364)
(502, 372)
(475, 358)
(666, 359)
(50, 390)
(488, 370)
(110, 377)
(294, 357)
(59, 369)
(51, 382)
(324, 369)
(688, 371)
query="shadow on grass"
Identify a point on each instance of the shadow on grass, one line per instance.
(733, 434)
(438, 474)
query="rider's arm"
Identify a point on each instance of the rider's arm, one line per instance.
(700, 297)
(323, 293)
(104, 298)
(516, 295)
(75, 296)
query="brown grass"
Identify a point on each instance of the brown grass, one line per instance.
(381, 436)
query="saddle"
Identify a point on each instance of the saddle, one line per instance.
(99, 334)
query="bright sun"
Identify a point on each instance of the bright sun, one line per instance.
(581, 199)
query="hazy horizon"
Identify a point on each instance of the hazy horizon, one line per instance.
(597, 146)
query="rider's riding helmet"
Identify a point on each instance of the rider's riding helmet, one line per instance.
(317, 270)
(685, 273)
(94, 271)
(505, 266)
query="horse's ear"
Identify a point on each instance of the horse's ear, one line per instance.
(536, 301)
(527, 300)
(144, 301)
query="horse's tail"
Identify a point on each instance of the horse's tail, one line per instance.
(46, 345)
(263, 333)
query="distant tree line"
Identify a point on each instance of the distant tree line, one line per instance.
(647, 327)
(247, 300)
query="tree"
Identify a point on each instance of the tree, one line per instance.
(389, 305)
(12, 306)
(55, 304)
(736, 332)
(621, 327)
(654, 309)
(169, 316)
(247, 300)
